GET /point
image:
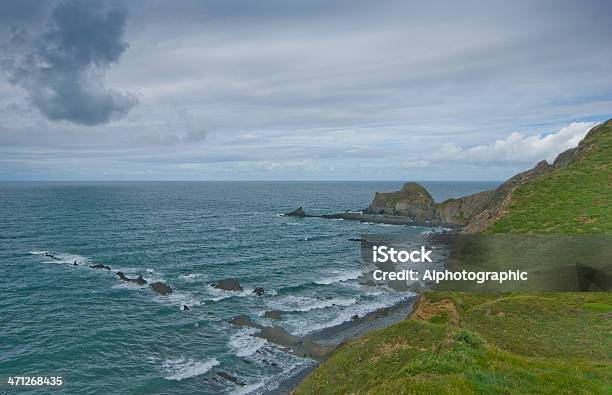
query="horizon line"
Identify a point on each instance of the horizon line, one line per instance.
(245, 180)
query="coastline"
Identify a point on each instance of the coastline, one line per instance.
(338, 335)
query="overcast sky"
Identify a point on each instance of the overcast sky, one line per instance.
(292, 90)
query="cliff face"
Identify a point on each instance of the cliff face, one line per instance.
(414, 201)
(411, 201)
(478, 211)
(458, 211)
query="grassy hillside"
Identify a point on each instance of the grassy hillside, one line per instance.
(461, 343)
(576, 199)
(482, 344)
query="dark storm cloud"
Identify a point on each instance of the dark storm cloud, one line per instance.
(305, 89)
(62, 67)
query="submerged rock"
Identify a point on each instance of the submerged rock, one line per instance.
(138, 280)
(50, 255)
(259, 291)
(298, 212)
(231, 378)
(273, 314)
(297, 345)
(228, 284)
(100, 266)
(161, 288)
(243, 320)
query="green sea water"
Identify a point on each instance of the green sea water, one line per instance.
(105, 336)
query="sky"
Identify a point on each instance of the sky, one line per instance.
(297, 90)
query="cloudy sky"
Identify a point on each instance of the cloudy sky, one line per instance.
(293, 90)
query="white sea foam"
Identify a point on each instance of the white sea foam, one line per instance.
(338, 276)
(305, 303)
(192, 277)
(217, 294)
(180, 298)
(248, 389)
(227, 228)
(244, 343)
(63, 257)
(288, 363)
(302, 326)
(182, 368)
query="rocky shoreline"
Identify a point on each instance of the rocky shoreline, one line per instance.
(414, 205)
(333, 337)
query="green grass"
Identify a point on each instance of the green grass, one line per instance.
(547, 343)
(573, 200)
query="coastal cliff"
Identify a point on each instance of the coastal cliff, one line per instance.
(460, 342)
(479, 211)
(573, 169)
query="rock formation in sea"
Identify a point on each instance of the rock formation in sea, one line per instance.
(298, 212)
(413, 204)
(100, 266)
(228, 284)
(138, 280)
(161, 288)
(297, 345)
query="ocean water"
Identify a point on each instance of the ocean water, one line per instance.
(105, 336)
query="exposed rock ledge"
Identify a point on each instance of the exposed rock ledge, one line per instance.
(414, 205)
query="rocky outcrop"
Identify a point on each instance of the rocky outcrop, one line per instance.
(138, 280)
(297, 345)
(414, 205)
(259, 291)
(52, 256)
(458, 211)
(298, 212)
(228, 284)
(161, 288)
(100, 266)
(273, 314)
(411, 201)
(477, 211)
(231, 378)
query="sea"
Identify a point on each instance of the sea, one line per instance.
(102, 335)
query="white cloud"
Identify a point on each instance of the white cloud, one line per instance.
(519, 148)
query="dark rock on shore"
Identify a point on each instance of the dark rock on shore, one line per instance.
(231, 378)
(161, 288)
(138, 280)
(100, 266)
(259, 291)
(273, 314)
(228, 284)
(50, 255)
(298, 212)
(300, 346)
